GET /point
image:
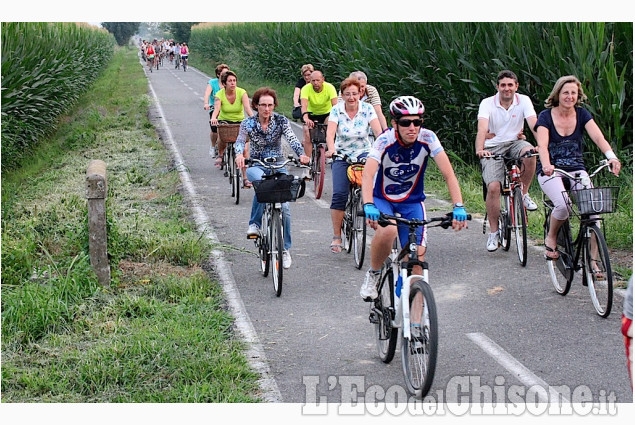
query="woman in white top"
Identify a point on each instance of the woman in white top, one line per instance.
(349, 126)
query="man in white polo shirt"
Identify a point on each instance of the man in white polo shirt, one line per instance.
(500, 131)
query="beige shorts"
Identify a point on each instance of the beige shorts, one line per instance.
(494, 169)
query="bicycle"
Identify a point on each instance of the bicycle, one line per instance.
(177, 63)
(274, 189)
(402, 295)
(354, 222)
(318, 157)
(513, 215)
(589, 252)
(229, 134)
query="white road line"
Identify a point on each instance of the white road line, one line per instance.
(255, 352)
(516, 368)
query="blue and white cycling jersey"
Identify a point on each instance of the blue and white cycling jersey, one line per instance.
(402, 169)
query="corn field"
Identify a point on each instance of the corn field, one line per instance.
(450, 66)
(45, 67)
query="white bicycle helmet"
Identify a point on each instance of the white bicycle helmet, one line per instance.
(406, 105)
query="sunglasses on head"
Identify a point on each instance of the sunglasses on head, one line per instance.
(404, 122)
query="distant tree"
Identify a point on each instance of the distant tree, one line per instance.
(180, 30)
(122, 30)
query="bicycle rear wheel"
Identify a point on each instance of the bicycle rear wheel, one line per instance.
(277, 246)
(504, 223)
(561, 271)
(382, 315)
(419, 353)
(520, 226)
(597, 271)
(359, 230)
(319, 165)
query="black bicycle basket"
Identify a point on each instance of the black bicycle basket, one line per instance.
(278, 187)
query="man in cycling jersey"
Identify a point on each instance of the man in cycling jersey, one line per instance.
(500, 131)
(392, 183)
(316, 99)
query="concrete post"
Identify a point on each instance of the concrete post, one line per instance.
(96, 191)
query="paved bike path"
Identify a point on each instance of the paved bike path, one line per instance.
(316, 337)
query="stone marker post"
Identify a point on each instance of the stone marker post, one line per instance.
(96, 191)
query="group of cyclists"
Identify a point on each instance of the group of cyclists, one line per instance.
(155, 51)
(396, 157)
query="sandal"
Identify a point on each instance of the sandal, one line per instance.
(246, 183)
(551, 254)
(336, 248)
(218, 162)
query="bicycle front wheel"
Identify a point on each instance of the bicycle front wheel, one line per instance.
(561, 271)
(359, 231)
(383, 314)
(419, 352)
(520, 226)
(319, 167)
(597, 271)
(277, 246)
(264, 244)
(237, 183)
(504, 223)
(346, 228)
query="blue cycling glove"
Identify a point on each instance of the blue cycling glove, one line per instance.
(459, 214)
(371, 212)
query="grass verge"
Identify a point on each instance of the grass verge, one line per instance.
(618, 226)
(161, 333)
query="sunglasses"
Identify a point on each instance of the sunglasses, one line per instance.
(403, 122)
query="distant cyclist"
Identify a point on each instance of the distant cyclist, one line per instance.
(185, 51)
(213, 86)
(150, 54)
(393, 182)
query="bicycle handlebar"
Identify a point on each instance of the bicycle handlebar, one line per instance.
(527, 154)
(272, 162)
(603, 164)
(350, 160)
(444, 221)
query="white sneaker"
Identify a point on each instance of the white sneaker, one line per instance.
(492, 242)
(530, 205)
(253, 230)
(368, 291)
(212, 152)
(306, 174)
(286, 259)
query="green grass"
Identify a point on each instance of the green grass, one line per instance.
(162, 332)
(619, 226)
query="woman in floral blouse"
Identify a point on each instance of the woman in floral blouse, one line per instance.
(347, 134)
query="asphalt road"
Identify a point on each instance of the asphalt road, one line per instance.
(504, 331)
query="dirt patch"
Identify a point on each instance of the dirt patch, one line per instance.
(136, 273)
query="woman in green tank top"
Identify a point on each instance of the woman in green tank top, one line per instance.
(230, 105)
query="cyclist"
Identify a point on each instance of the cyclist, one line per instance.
(316, 100)
(347, 134)
(150, 53)
(265, 130)
(392, 182)
(564, 115)
(177, 55)
(185, 51)
(306, 71)
(369, 94)
(230, 104)
(213, 86)
(500, 131)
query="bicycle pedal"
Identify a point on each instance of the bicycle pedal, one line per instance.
(372, 318)
(251, 237)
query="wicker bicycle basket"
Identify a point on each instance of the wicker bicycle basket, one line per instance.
(278, 188)
(228, 132)
(595, 200)
(354, 173)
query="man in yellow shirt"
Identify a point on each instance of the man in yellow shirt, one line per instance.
(316, 99)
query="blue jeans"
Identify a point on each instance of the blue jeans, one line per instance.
(253, 174)
(341, 184)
